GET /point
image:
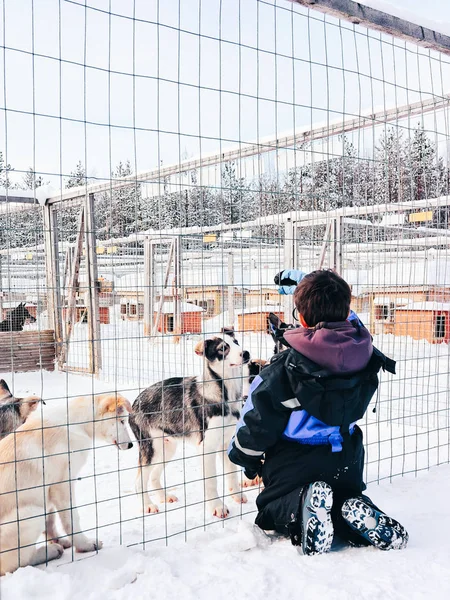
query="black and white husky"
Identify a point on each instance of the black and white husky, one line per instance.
(201, 410)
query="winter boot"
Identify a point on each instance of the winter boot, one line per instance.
(313, 528)
(373, 525)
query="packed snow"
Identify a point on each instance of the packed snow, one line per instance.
(235, 560)
(408, 435)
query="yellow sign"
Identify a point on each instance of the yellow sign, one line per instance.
(419, 217)
(111, 250)
(100, 250)
(209, 237)
(29, 256)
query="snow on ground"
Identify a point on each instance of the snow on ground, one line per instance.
(409, 433)
(237, 561)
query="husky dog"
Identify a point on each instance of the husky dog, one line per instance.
(201, 410)
(16, 318)
(38, 467)
(14, 411)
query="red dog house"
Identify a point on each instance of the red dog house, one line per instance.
(191, 318)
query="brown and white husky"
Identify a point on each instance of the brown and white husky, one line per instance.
(39, 464)
(200, 410)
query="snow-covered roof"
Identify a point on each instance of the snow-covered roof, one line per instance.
(260, 309)
(186, 307)
(392, 219)
(404, 273)
(168, 306)
(209, 276)
(444, 306)
(388, 299)
(16, 303)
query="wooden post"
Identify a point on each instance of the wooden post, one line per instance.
(149, 286)
(1, 290)
(372, 18)
(177, 326)
(290, 256)
(92, 301)
(73, 267)
(165, 281)
(336, 245)
(326, 239)
(231, 315)
(52, 276)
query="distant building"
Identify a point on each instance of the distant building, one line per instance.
(409, 298)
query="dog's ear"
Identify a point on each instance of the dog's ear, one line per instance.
(112, 403)
(201, 347)
(28, 405)
(275, 320)
(4, 390)
(228, 331)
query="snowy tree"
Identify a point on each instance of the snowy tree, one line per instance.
(119, 212)
(77, 177)
(5, 169)
(30, 181)
(426, 168)
(391, 168)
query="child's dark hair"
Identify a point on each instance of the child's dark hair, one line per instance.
(322, 296)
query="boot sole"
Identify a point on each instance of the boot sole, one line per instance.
(317, 526)
(378, 529)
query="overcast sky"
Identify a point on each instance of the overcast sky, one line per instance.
(91, 83)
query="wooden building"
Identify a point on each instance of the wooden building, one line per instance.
(423, 321)
(256, 318)
(22, 351)
(191, 318)
(408, 291)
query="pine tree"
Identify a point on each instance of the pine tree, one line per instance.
(426, 168)
(234, 193)
(30, 181)
(119, 212)
(392, 181)
(77, 177)
(5, 169)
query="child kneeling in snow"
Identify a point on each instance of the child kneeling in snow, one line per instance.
(300, 417)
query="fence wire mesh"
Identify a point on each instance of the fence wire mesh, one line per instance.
(161, 162)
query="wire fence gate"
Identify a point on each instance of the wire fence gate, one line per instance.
(160, 163)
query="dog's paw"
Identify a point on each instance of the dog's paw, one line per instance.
(151, 508)
(239, 498)
(167, 498)
(248, 483)
(54, 551)
(220, 510)
(65, 542)
(88, 545)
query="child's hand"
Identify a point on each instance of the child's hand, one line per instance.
(288, 280)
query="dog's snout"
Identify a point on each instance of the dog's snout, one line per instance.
(130, 445)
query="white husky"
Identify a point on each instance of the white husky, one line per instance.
(38, 466)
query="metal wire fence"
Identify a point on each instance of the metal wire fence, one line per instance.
(161, 162)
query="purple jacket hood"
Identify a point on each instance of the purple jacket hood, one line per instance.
(338, 347)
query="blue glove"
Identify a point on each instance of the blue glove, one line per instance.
(288, 280)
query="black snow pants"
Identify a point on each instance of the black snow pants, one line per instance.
(290, 466)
